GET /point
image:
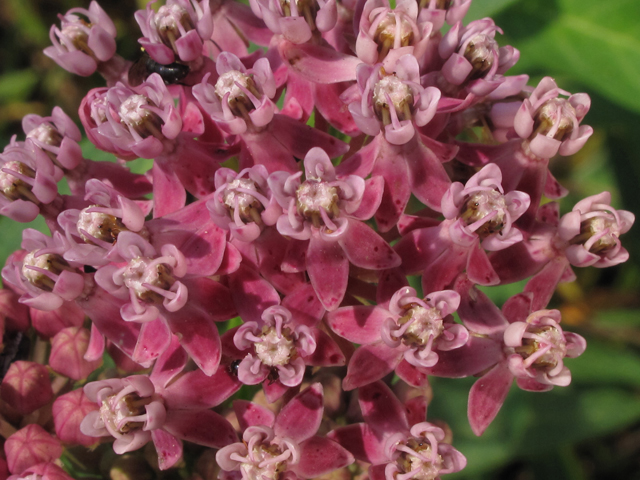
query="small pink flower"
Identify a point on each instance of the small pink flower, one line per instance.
(592, 230)
(80, 45)
(177, 31)
(539, 347)
(552, 124)
(278, 347)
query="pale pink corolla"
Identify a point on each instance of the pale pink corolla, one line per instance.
(93, 231)
(56, 135)
(243, 203)
(393, 102)
(277, 348)
(131, 124)
(385, 33)
(177, 31)
(80, 45)
(240, 100)
(474, 62)
(538, 347)
(44, 277)
(28, 180)
(550, 123)
(148, 279)
(483, 211)
(297, 20)
(592, 231)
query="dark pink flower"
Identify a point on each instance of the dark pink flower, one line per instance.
(406, 336)
(26, 386)
(68, 411)
(284, 445)
(30, 446)
(325, 209)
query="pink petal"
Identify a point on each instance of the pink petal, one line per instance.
(304, 305)
(319, 456)
(300, 418)
(328, 270)
(362, 442)
(477, 355)
(327, 352)
(169, 364)
(196, 390)
(249, 414)
(487, 396)
(366, 249)
(154, 339)
(479, 269)
(252, 294)
(203, 427)
(382, 411)
(477, 311)
(168, 447)
(412, 375)
(359, 324)
(370, 363)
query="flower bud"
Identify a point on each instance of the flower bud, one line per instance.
(30, 446)
(68, 411)
(67, 353)
(26, 387)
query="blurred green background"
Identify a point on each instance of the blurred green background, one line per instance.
(590, 430)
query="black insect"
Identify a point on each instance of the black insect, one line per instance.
(233, 367)
(145, 66)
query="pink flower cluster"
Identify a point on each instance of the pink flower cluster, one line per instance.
(271, 240)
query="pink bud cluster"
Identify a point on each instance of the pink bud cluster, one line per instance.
(274, 251)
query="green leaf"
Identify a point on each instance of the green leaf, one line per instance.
(603, 364)
(592, 41)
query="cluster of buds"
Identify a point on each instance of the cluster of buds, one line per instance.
(284, 270)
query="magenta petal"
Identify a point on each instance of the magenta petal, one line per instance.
(362, 442)
(370, 363)
(518, 307)
(327, 352)
(154, 339)
(304, 305)
(374, 188)
(250, 414)
(320, 64)
(479, 269)
(382, 411)
(319, 456)
(169, 194)
(416, 409)
(300, 418)
(169, 448)
(412, 375)
(96, 346)
(273, 391)
(328, 270)
(487, 396)
(196, 390)
(366, 249)
(300, 138)
(198, 335)
(252, 294)
(544, 283)
(203, 427)
(169, 364)
(359, 324)
(211, 297)
(392, 166)
(477, 355)
(477, 311)
(429, 181)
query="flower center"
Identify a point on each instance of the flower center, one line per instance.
(598, 234)
(135, 112)
(317, 200)
(237, 197)
(423, 325)
(172, 22)
(47, 134)
(76, 36)
(391, 92)
(544, 345)
(145, 277)
(122, 413)
(393, 31)
(264, 464)
(275, 349)
(12, 183)
(480, 52)
(41, 270)
(486, 210)
(239, 87)
(555, 119)
(99, 225)
(418, 461)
